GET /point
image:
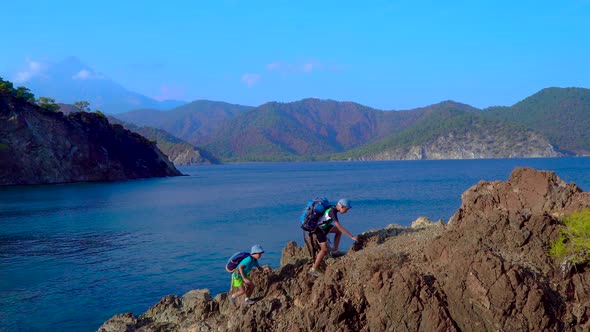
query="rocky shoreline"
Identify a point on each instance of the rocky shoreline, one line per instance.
(487, 269)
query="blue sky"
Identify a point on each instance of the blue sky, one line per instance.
(383, 54)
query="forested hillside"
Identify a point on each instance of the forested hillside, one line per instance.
(451, 131)
(180, 152)
(305, 129)
(560, 114)
(552, 122)
(193, 122)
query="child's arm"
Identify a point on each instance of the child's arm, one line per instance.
(344, 230)
(246, 280)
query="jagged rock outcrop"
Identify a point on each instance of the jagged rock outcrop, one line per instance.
(487, 269)
(471, 145)
(39, 147)
(189, 157)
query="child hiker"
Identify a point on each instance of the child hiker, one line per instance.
(329, 223)
(240, 277)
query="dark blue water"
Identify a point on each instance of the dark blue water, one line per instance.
(71, 256)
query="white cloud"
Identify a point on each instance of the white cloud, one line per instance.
(82, 75)
(301, 67)
(251, 79)
(86, 74)
(170, 91)
(34, 68)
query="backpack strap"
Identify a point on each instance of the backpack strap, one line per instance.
(323, 219)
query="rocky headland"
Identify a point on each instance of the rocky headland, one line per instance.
(38, 146)
(487, 269)
(471, 145)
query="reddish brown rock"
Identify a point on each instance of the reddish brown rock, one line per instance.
(488, 269)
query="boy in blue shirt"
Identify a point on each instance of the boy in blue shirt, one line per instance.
(240, 277)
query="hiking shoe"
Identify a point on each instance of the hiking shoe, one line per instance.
(232, 300)
(314, 272)
(337, 253)
(249, 301)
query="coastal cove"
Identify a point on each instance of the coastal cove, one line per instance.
(73, 255)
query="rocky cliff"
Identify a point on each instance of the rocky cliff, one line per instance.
(39, 146)
(471, 145)
(487, 269)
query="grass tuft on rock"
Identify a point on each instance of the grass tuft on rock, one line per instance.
(574, 241)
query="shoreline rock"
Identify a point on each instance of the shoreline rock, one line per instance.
(488, 269)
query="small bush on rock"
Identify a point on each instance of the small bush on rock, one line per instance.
(574, 240)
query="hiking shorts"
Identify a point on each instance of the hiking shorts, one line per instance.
(236, 280)
(322, 234)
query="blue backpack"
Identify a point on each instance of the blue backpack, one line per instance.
(312, 213)
(235, 260)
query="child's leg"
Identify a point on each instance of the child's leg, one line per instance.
(337, 236)
(238, 284)
(323, 240)
(249, 289)
(321, 254)
(240, 292)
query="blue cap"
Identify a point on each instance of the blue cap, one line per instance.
(345, 202)
(256, 249)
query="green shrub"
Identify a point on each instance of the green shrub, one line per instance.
(47, 105)
(82, 106)
(101, 114)
(574, 240)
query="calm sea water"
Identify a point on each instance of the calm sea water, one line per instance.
(71, 256)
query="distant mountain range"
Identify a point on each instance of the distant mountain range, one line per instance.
(193, 122)
(71, 80)
(551, 123)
